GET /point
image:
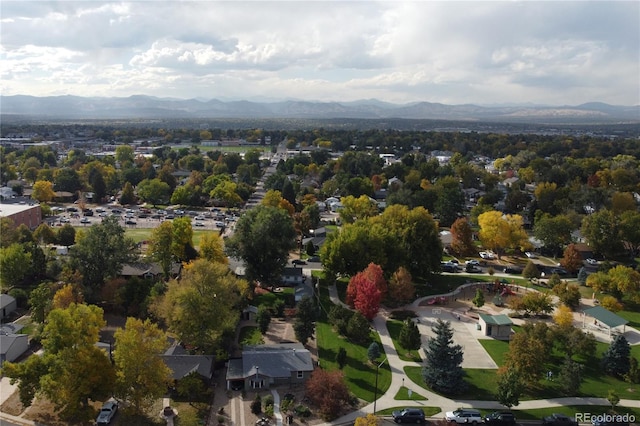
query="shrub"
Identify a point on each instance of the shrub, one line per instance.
(256, 405)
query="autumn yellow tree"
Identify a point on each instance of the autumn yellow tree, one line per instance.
(563, 316)
(43, 191)
(357, 208)
(67, 295)
(142, 377)
(368, 420)
(500, 232)
(212, 248)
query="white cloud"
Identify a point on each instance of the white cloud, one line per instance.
(452, 52)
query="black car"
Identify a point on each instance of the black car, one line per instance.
(130, 222)
(409, 415)
(298, 262)
(512, 270)
(500, 418)
(315, 259)
(557, 419)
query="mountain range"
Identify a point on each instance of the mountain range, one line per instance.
(148, 107)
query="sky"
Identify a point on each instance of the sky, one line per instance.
(452, 52)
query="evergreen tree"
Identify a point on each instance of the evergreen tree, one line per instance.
(582, 276)
(443, 371)
(410, 335)
(633, 376)
(358, 328)
(478, 300)
(373, 352)
(616, 359)
(341, 357)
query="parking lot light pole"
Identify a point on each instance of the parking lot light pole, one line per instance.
(375, 394)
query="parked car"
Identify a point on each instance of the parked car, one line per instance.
(298, 262)
(530, 255)
(472, 262)
(449, 267)
(500, 418)
(592, 261)
(487, 255)
(200, 224)
(199, 217)
(409, 415)
(107, 412)
(315, 259)
(85, 220)
(130, 222)
(464, 415)
(557, 419)
(512, 270)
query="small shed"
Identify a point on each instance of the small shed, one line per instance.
(12, 346)
(498, 326)
(603, 320)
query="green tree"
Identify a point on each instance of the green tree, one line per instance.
(570, 376)
(66, 235)
(553, 231)
(44, 234)
(358, 328)
(531, 271)
(8, 234)
(510, 387)
(263, 318)
(410, 335)
(142, 376)
(203, 305)
(443, 367)
(478, 300)
(373, 352)
(124, 154)
(615, 360)
(357, 208)
(127, 197)
(72, 370)
(263, 238)
(40, 302)
(569, 294)
(450, 200)
(182, 239)
(613, 398)
(101, 253)
(602, 231)
(304, 324)
(160, 245)
(154, 191)
(15, 264)
(529, 351)
(67, 179)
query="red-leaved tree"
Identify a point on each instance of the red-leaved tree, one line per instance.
(328, 391)
(366, 289)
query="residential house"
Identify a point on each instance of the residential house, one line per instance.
(181, 363)
(148, 270)
(265, 366)
(8, 304)
(317, 238)
(12, 343)
(292, 276)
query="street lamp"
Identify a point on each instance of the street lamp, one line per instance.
(375, 394)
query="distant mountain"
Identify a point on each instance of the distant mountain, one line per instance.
(148, 107)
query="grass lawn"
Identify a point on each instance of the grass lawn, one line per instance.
(358, 371)
(250, 335)
(394, 327)
(403, 394)
(497, 349)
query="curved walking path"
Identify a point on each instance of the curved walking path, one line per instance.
(434, 400)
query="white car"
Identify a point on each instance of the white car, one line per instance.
(107, 412)
(592, 261)
(472, 262)
(487, 255)
(464, 415)
(530, 255)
